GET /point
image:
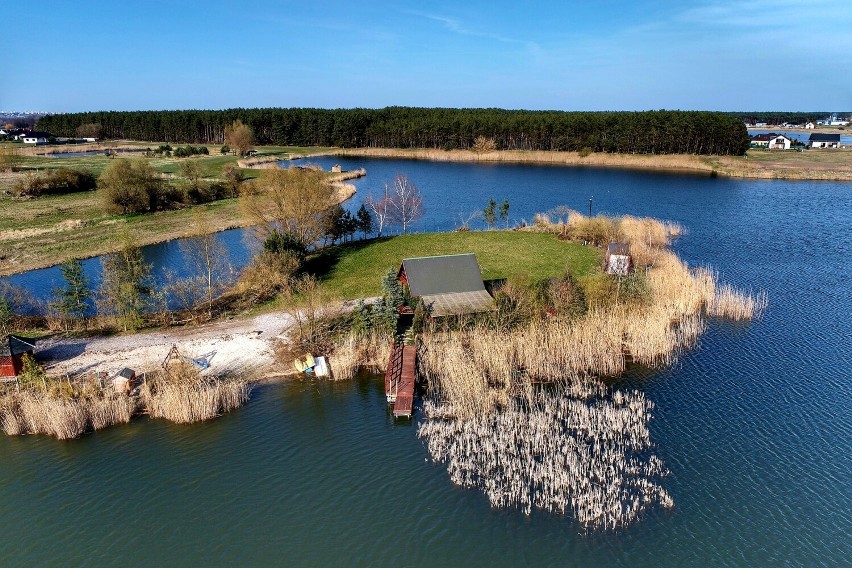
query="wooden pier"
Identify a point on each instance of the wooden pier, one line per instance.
(400, 379)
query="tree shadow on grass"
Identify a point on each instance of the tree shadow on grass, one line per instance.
(322, 262)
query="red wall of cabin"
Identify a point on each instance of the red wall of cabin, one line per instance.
(11, 366)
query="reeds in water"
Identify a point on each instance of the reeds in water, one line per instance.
(182, 396)
(733, 304)
(352, 352)
(555, 453)
(34, 412)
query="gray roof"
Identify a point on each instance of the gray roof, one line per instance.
(622, 249)
(14, 345)
(824, 138)
(450, 284)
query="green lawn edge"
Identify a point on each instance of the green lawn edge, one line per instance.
(354, 270)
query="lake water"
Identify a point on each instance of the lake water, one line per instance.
(754, 423)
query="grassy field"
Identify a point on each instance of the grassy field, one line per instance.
(35, 233)
(355, 270)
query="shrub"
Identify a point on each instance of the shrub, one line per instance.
(285, 242)
(585, 152)
(130, 186)
(599, 290)
(55, 182)
(268, 274)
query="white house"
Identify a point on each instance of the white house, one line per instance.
(779, 142)
(824, 141)
(771, 141)
(809, 126)
(37, 138)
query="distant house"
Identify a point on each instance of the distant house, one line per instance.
(449, 285)
(37, 138)
(780, 142)
(809, 126)
(618, 260)
(12, 350)
(834, 120)
(771, 141)
(824, 141)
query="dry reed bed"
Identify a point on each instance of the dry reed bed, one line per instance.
(477, 369)
(33, 412)
(499, 431)
(181, 397)
(188, 402)
(556, 453)
(351, 352)
(729, 166)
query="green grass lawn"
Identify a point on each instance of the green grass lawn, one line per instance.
(355, 270)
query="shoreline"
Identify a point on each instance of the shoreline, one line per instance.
(345, 191)
(758, 167)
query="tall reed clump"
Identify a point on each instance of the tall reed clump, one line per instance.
(353, 351)
(556, 453)
(735, 305)
(34, 411)
(181, 395)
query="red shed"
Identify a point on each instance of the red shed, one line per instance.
(12, 349)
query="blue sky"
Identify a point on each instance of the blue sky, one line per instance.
(68, 55)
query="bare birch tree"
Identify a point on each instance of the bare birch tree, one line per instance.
(406, 202)
(210, 258)
(380, 208)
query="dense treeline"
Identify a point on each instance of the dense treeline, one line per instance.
(649, 132)
(781, 117)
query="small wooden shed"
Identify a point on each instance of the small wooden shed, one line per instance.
(12, 350)
(450, 284)
(124, 381)
(618, 260)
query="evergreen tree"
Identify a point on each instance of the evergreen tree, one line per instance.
(504, 212)
(73, 300)
(365, 220)
(489, 214)
(126, 290)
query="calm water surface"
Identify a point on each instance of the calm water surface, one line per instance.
(754, 423)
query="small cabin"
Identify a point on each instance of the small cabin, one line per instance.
(449, 285)
(12, 351)
(618, 260)
(336, 169)
(124, 381)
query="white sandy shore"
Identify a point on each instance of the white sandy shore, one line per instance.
(242, 347)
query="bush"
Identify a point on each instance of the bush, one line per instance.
(599, 289)
(55, 182)
(598, 230)
(268, 274)
(130, 186)
(278, 242)
(585, 152)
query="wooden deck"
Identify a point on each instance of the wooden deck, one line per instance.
(400, 379)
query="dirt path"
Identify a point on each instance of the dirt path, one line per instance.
(242, 347)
